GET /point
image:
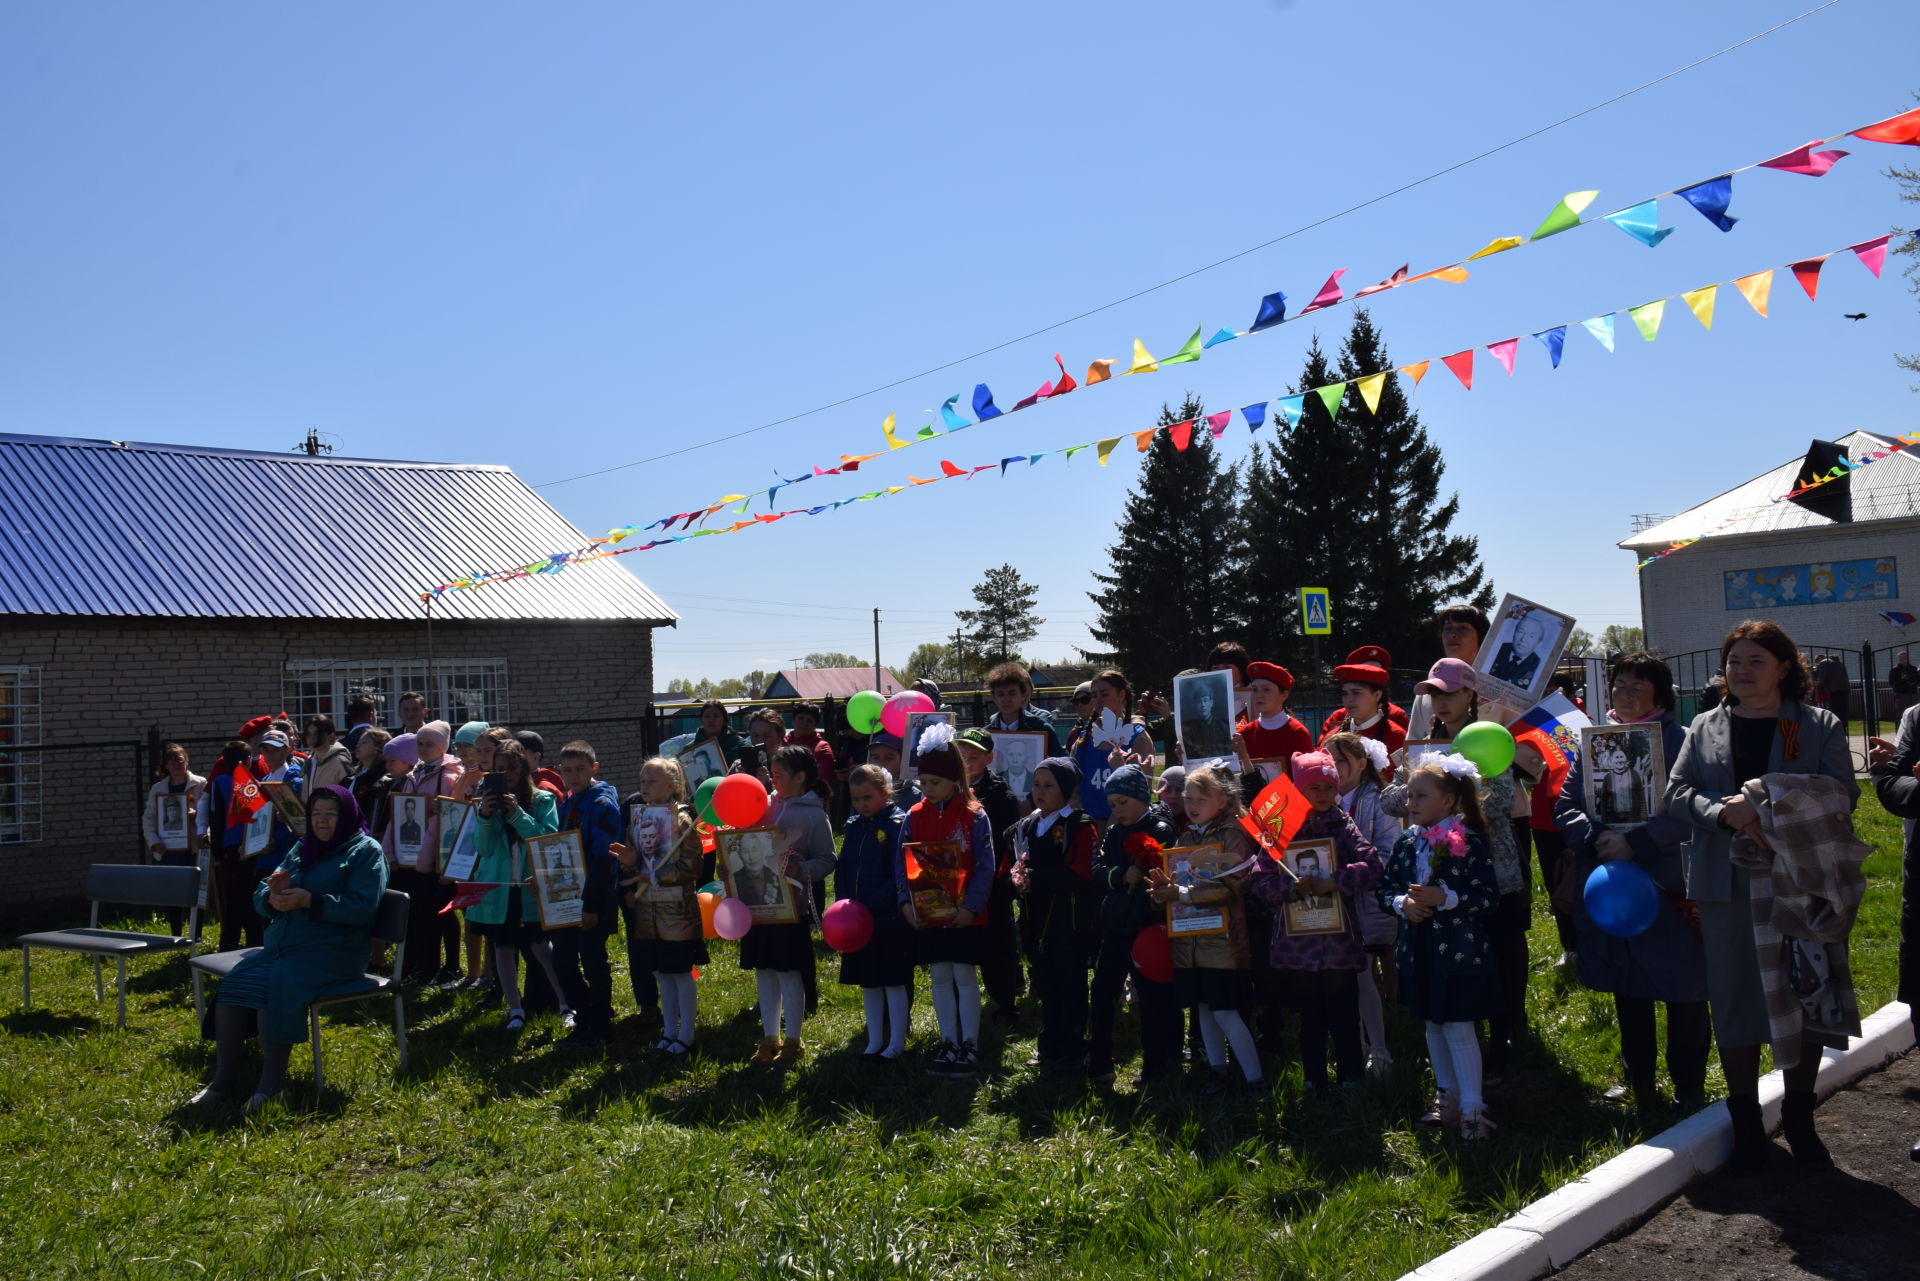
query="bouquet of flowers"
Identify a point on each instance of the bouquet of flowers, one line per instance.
(1144, 851)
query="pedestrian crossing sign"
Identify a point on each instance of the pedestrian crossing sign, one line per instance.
(1316, 611)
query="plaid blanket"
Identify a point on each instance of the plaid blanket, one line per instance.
(1805, 883)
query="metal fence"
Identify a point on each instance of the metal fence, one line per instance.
(1869, 698)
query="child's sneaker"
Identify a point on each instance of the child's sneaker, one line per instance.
(966, 1060)
(1476, 1127)
(1380, 1066)
(1445, 1111)
(944, 1059)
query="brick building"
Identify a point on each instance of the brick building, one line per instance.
(161, 592)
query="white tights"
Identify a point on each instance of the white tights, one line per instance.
(506, 969)
(1455, 1052)
(886, 1020)
(778, 988)
(1221, 1028)
(679, 1006)
(956, 1000)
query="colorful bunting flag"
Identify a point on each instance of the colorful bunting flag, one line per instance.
(1872, 254)
(1504, 352)
(1217, 423)
(1755, 289)
(1181, 434)
(1903, 128)
(983, 407)
(1225, 335)
(1329, 293)
(1273, 310)
(1071, 450)
(1498, 246)
(949, 469)
(1807, 272)
(1142, 439)
(1291, 408)
(1099, 371)
(1805, 160)
(1565, 214)
(1103, 449)
(1453, 275)
(1189, 352)
(1646, 318)
(953, 421)
(1416, 371)
(1700, 303)
(926, 433)
(1370, 388)
(1064, 383)
(1642, 222)
(1397, 279)
(1331, 396)
(1555, 340)
(1601, 327)
(1711, 198)
(1256, 415)
(1461, 363)
(1143, 363)
(1016, 458)
(886, 429)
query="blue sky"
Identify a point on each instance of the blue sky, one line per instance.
(563, 238)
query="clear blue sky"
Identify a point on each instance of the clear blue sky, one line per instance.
(563, 237)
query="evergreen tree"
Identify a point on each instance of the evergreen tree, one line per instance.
(1350, 501)
(1004, 621)
(1173, 589)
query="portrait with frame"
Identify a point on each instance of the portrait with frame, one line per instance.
(286, 806)
(409, 827)
(1203, 713)
(917, 723)
(454, 816)
(1016, 754)
(749, 867)
(259, 837)
(702, 762)
(1311, 914)
(937, 875)
(1189, 865)
(650, 833)
(559, 864)
(1624, 769)
(1520, 653)
(171, 822)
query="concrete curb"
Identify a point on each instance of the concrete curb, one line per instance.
(1567, 1222)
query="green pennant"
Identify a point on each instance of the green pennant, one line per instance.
(1074, 449)
(926, 433)
(1331, 396)
(1190, 352)
(1565, 214)
(1646, 318)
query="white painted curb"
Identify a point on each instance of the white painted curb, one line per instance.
(1567, 1222)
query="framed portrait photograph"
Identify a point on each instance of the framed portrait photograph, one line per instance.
(937, 874)
(1520, 653)
(750, 869)
(287, 806)
(171, 822)
(1203, 713)
(917, 723)
(1189, 865)
(702, 762)
(259, 833)
(454, 814)
(1016, 753)
(409, 827)
(1625, 770)
(559, 878)
(1313, 913)
(650, 833)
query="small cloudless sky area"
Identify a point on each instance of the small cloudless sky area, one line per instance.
(564, 238)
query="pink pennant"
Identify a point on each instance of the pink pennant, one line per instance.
(1805, 160)
(1807, 272)
(1397, 278)
(1217, 423)
(1046, 390)
(1503, 352)
(1329, 293)
(1872, 254)
(1461, 363)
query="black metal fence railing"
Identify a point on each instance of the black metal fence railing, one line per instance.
(1868, 695)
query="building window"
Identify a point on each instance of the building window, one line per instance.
(467, 691)
(19, 770)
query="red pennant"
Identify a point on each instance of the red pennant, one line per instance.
(1807, 272)
(469, 894)
(1182, 434)
(950, 469)
(1046, 390)
(1903, 128)
(1066, 383)
(1276, 814)
(1461, 363)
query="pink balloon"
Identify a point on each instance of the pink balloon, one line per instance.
(893, 717)
(732, 919)
(847, 925)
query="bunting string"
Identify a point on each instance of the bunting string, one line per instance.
(1286, 411)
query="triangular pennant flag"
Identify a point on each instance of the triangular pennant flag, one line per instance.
(771, 492)
(1331, 396)
(1453, 274)
(1182, 434)
(1565, 214)
(1074, 449)
(1555, 340)
(893, 441)
(1461, 363)
(1142, 440)
(1711, 198)
(1499, 246)
(1329, 293)
(1224, 335)
(918, 480)
(1256, 416)
(851, 462)
(1188, 352)
(1504, 352)
(1017, 458)
(1396, 279)
(1273, 310)
(1064, 383)
(891, 490)
(1143, 361)
(1290, 408)
(1807, 272)
(1034, 458)
(951, 469)
(1646, 318)
(926, 433)
(1601, 327)
(1903, 128)
(1642, 222)
(953, 421)
(983, 407)
(1755, 289)
(1217, 423)
(1416, 371)
(1370, 388)
(1099, 371)
(1103, 449)
(1805, 160)
(1700, 303)
(1041, 393)
(1872, 254)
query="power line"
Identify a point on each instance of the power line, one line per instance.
(1188, 275)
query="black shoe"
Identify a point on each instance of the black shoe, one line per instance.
(1751, 1151)
(944, 1059)
(1219, 1082)
(966, 1060)
(1100, 1073)
(1796, 1123)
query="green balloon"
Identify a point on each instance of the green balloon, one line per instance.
(703, 801)
(863, 711)
(1487, 745)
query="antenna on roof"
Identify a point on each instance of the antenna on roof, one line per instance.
(313, 446)
(1643, 521)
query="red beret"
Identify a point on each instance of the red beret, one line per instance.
(1367, 665)
(1270, 672)
(258, 725)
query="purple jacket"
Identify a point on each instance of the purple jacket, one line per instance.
(1358, 873)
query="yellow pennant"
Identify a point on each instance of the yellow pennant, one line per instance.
(1755, 289)
(1370, 387)
(1106, 448)
(1143, 362)
(893, 441)
(1499, 246)
(1700, 303)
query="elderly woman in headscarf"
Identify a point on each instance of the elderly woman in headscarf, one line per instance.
(320, 905)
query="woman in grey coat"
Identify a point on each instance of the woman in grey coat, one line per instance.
(1764, 727)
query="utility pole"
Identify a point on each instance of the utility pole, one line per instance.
(876, 649)
(959, 659)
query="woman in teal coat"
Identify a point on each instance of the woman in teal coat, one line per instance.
(319, 905)
(511, 810)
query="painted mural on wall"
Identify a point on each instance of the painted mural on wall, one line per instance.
(1821, 583)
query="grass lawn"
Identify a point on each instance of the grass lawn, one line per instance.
(519, 1158)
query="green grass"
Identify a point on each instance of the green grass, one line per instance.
(496, 1157)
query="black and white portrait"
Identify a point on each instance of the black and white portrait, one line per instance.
(917, 723)
(170, 819)
(409, 826)
(1016, 753)
(1203, 709)
(1625, 773)
(1520, 653)
(750, 868)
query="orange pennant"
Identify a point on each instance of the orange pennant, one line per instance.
(1755, 289)
(1416, 371)
(1144, 438)
(1452, 275)
(1099, 371)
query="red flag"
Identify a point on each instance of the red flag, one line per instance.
(1276, 815)
(247, 798)
(468, 893)
(1902, 128)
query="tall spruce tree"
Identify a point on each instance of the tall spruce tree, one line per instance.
(1174, 586)
(1350, 501)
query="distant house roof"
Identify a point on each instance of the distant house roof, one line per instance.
(1889, 489)
(101, 527)
(830, 682)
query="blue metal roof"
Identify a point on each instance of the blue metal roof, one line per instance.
(104, 527)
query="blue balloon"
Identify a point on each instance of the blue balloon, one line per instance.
(1622, 900)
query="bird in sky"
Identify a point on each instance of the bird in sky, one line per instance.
(1855, 315)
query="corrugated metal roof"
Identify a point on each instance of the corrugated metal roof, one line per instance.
(1887, 490)
(833, 682)
(99, 527)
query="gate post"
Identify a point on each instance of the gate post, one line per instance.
(1869, 692)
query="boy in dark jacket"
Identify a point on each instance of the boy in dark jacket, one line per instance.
(1000, 970)
(591, 807)
(1124, 912)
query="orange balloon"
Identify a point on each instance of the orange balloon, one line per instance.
(707, 903)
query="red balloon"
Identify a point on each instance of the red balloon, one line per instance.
(847, 925)
(1153, 953)
(740, 800)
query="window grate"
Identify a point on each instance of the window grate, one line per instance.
(19, 770)
(468, 691)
